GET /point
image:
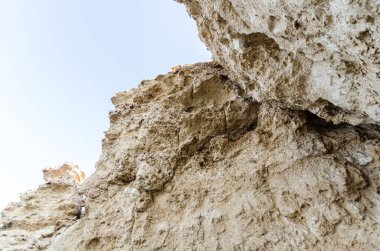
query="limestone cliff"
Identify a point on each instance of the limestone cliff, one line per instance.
(43, 213)
(191, 162)
(276, 146)
(322, 56)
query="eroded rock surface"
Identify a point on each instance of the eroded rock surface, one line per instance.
(275, 147)
(41, 214)
(191, 162)
(321, 56)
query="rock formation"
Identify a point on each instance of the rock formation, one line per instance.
(43, 213)
(322, 56)
(276, 146)
(191, 162)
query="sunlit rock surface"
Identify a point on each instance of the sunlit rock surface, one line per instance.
(41, 214)
(191, 162)
(323, 56)
(274, 146)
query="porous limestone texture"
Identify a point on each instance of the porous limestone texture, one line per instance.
(322, 56)
(192, 162)
(42, 213)
(274, 147)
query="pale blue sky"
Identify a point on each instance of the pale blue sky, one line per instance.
(62, 61)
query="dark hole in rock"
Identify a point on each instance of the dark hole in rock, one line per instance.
(297, 25)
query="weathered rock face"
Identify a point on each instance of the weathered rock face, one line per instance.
(191, 162)
(322, 56)
(277, 148)
(42, 213)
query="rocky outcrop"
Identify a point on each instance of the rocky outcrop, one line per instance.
(321, 56)
(191, 162)
(276, 146)
(41, 214)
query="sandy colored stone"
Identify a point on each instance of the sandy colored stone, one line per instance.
(41, 214)
(67, 173)
(191, 162)
(322, 56)
(275, 147)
